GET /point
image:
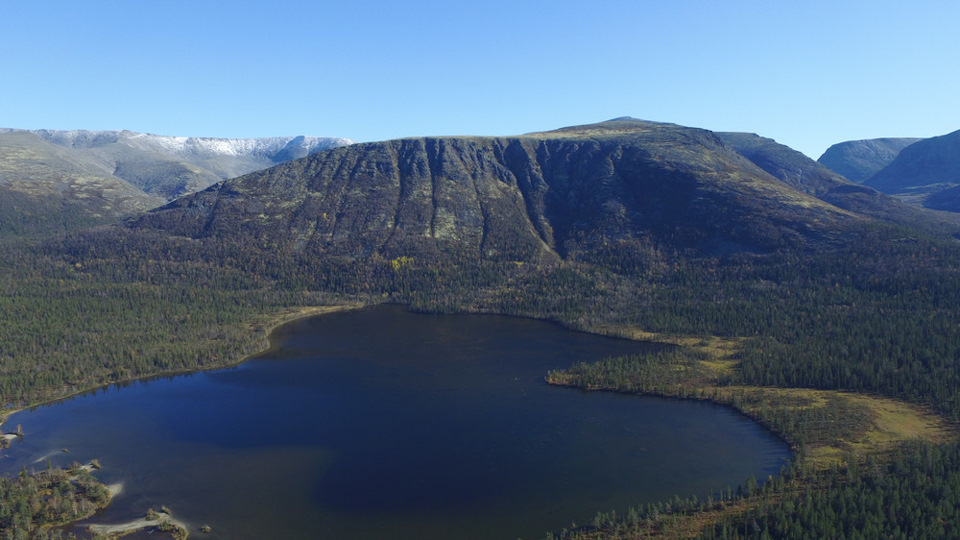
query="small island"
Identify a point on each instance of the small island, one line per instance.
(36, 501)
(6, 439)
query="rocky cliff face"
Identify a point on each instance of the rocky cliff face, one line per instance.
(620, 185)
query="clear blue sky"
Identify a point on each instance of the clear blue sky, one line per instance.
(806, 73)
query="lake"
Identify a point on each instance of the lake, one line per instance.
(381, 423)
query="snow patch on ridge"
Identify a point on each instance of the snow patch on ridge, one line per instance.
(266, 147)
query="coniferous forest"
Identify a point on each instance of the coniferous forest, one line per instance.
(870, 308)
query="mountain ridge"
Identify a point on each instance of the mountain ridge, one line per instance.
(926, 173)
(180, 145)
(563, 193)
(860, 159)
(812, 177)
(53, 180)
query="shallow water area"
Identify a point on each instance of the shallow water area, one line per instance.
(384, 423)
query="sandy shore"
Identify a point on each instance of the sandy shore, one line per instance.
(115, 489)
(120, 529)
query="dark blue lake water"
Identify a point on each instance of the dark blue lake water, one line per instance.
(380, 423)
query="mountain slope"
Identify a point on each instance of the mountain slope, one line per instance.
(624, 186)
(172, 166)
(45, 188)
(811, 177)
(793, 168)
(859, 160)
(52, 181)
(922, 171)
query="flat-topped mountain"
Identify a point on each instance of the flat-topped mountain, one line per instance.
(624, 185)
(859, 160)
(58, 180)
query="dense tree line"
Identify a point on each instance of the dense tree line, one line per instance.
(23, 215)
(913, 492)
(679, 373)
(877, 313)
(32, 502)
(74, 322)
(914, 495)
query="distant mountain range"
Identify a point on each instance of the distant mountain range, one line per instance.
(767, 267)
(813, 178)
(56, 180)
(624, 188)
(923, 172)
(927, 172)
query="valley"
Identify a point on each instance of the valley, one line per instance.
(922, 172)
(783, 282)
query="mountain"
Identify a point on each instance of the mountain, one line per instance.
(626, 227)
(792, 167)
(811, 177)
(926, 172)
(46, 188)
(625, 185)
(172, 166)
(58, 180)
(859, 160)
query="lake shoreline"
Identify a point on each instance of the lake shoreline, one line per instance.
(718, 362)
(412, 321)
(116, 531)
(266, 330)
(876, 427)
(160, 521)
